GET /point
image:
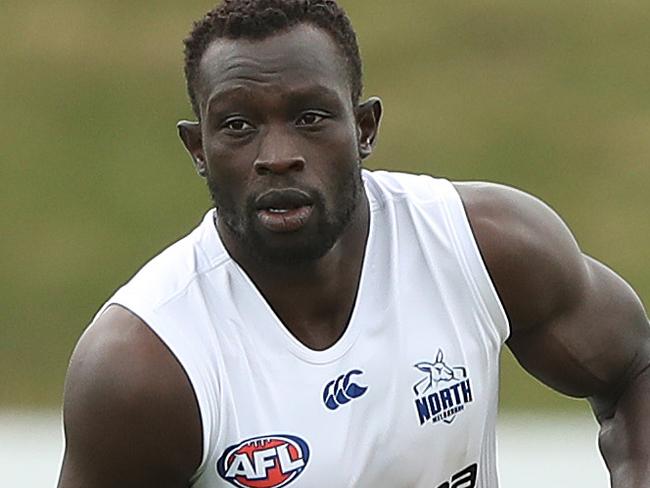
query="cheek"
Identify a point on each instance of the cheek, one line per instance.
(229, 163)
(348, 145)
(338, 146)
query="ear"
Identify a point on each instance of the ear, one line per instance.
(368, 115)
(190, 134)
(439, 356)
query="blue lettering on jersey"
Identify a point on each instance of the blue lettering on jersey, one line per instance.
(443, 392)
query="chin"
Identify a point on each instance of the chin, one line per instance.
(301, 252)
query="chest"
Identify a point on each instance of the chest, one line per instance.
(410, 400)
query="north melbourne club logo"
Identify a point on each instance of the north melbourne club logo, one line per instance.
(342, 390)
(443, 392)
(264, 462)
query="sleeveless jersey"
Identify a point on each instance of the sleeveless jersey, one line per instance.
(406, 398)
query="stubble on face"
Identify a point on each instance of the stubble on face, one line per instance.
(333, 217)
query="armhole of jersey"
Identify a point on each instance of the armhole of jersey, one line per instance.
(475, 270)
(192, 374)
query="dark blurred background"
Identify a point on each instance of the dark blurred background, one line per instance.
(549, 96)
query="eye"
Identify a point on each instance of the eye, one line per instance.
(237, 124)
(310, 118)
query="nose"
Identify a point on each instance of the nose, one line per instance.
(278, 154)
(278, 166)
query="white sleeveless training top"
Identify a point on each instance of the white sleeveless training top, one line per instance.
(406, 398)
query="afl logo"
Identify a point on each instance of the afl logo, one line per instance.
(264, 462)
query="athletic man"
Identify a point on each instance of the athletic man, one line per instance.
(326, 326)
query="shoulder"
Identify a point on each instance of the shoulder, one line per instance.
(576, 324)
(119, 345)
(129, 409)
(531, 255)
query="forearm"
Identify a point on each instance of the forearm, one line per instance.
(625, 435)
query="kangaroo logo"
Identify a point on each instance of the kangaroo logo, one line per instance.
(437, 372)
(342, 390)
(443, 392)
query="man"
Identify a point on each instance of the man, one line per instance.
(328, 326)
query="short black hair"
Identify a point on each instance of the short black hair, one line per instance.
(258, 19)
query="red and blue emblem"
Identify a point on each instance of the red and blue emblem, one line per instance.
(264, 462)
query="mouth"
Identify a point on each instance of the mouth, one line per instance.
(285, 210)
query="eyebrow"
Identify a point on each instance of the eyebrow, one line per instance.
(320, 92)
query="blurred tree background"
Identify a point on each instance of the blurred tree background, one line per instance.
(550, 96)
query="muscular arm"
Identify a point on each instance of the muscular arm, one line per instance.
(130, 415)
(575, 324)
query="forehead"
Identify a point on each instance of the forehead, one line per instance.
(304, 56)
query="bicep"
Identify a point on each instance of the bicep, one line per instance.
(125, 426)
(594, 345)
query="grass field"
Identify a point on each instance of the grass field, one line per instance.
(548, 96)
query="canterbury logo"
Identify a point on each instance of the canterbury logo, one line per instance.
(342, 390)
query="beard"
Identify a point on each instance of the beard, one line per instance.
(318, 237)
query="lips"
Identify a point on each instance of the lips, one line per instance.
(285, 210)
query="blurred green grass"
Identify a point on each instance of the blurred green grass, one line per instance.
(551, 97)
